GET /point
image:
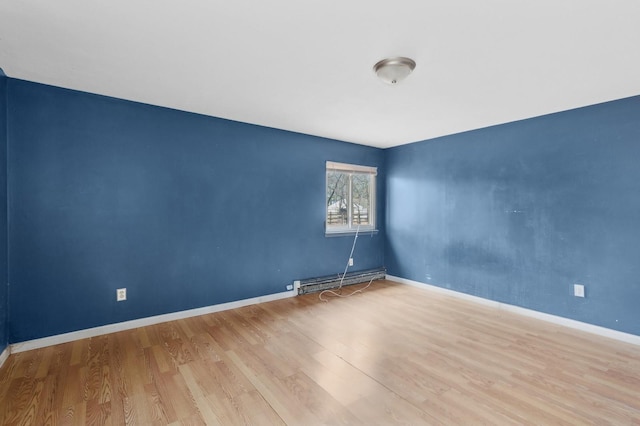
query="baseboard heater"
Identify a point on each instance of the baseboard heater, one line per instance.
(313, 285)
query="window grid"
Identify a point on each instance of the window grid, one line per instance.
(350, 198)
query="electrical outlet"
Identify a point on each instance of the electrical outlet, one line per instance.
(121, 294)
(290, 287)
(578, 290)
(351, 261)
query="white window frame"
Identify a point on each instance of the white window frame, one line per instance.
(352, 169)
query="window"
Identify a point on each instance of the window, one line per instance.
(351, 198)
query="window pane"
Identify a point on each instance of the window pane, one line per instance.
(350, 198)
(361, 200)
(337, 196)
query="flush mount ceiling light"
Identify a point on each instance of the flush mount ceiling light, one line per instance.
(394, 70)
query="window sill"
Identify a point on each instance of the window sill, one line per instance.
(350, 233)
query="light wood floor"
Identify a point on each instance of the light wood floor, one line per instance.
(392, 355)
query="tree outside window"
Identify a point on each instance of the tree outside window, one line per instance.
(350, 198)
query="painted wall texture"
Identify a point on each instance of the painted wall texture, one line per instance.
(188, 211)
(520, 212)
(183, 210)
(4, 286)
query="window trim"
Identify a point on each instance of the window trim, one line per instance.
(349, 228)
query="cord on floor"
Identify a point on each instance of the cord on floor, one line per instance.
(338, 293)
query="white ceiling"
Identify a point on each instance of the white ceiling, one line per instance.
(306, 66)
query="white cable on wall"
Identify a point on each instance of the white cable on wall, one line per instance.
(337, 293)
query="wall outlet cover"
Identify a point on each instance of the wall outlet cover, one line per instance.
(578, 290)
(121, 294)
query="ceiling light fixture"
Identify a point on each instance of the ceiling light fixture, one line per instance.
(394, 70)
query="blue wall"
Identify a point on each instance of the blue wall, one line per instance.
(4, 286)
(520, 212)
(189, 211)
(183, 210)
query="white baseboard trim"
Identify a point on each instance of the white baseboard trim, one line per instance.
(4, 355)
(578, 325)
(142, 322)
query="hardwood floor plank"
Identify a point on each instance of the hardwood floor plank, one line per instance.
(78, 352)
(205, 347)
(387, 408)
(175, 396)
(75, 415)
(315, 399)
(198, 396)
(340, 379)
(391, 355)
(276, 395)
